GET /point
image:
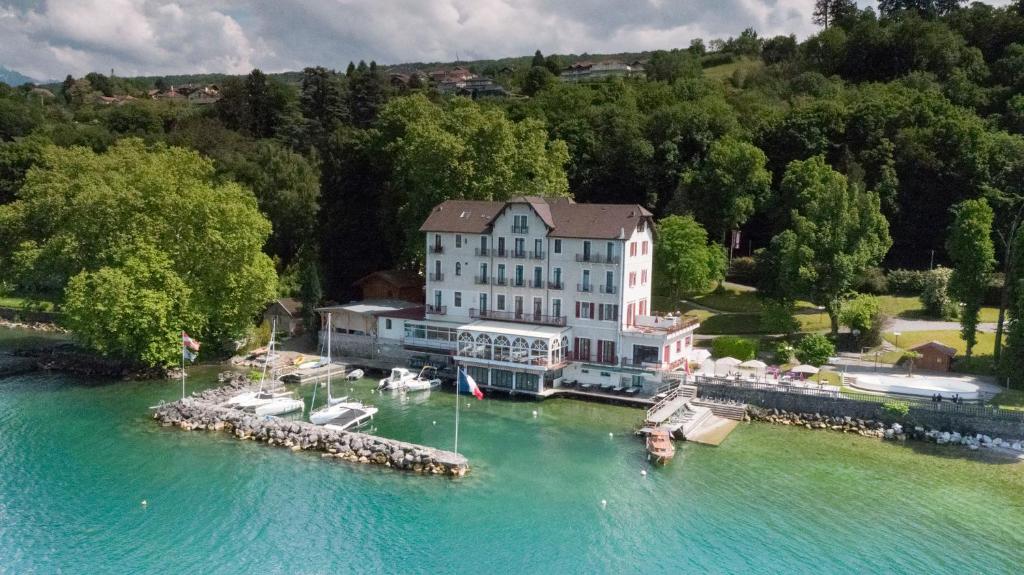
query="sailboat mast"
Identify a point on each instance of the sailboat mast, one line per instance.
(270, 352)
(458, 384)
(183, 364)
(329, 328)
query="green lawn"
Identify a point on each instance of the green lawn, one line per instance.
(907, 340)
(725, 71)
(731, 300)
(1010, 399)
(22, 303)
(729, 323)
(910, 308)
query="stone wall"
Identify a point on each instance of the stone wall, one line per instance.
(29, 317)
(70, 359)
(202, 411)
(951, 421)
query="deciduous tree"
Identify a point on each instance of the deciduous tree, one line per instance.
(972, 252)
(684, 261)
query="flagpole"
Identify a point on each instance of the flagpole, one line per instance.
(458, 384)
(183, 364)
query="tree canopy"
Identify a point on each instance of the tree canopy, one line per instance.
(684, 262)
(973, 254)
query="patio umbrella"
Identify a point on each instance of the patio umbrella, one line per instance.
(699, 354)
(754, 364)
(804, 368)
(725, 364)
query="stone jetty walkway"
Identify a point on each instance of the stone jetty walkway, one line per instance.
(203, 411)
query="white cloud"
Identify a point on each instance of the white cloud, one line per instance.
(51, 38)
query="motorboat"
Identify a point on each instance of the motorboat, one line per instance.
(280, 406)
(355, 374)
(354, 418)
(402, 379)
(397, 380)
(659, 446)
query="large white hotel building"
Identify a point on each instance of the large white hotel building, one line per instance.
(534, 292)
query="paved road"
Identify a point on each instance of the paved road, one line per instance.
(902, 325)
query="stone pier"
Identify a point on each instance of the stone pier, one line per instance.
(203, 411)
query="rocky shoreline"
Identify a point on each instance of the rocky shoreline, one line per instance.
(202, 411)
(33, 326)
(881, 430)
(70, 359)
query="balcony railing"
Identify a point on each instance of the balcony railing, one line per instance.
(483, 252)
(519, 254)
(499, 252)
(608, 289)
(480, 280)
(520, 229)
(437, 249)
(518, 282)
(556, 285)
(597, 258)
(537, 255)
(536, 284)
(437, 309)
(437, 277)
(500, 281)
(585, 288)
(519, 317)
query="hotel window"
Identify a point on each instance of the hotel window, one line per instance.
(586, 280)
(483, 245)
(458, 240)
(643, 277)
(519, 276)
(629, 314)
(437, 298)
(643, 307)
(558, 246)
(537, 272)
(679, 345)
(556, 307)
(501, 246)
(458, 299)
(538, 307)
(584, 310)
(501, 274)
(483, 272)
(499, 301)
(609, 251)
(483, 302)
(632, 279)
(387, 324)
(644, 248)
(458, 268)
(538, 248)
(608, 312)
(520, 248)
(632, 249)
(605, 351)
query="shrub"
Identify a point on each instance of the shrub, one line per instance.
(873, 281)
(815, 349)
(935, 294)
(743, 271)
(906, 282)
(896, 409)
(863, 314)
(732, 346)
(783, 353)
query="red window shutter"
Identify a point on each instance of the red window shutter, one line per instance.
(667, 350)
(577, 309)
(600, 348)
(600, 312)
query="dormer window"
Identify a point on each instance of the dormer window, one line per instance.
(519, 225)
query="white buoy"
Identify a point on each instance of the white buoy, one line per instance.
(144, 503)
(610, 434)
(467, 405)
(435, 423)
(535, 413)
(643, 472)
(604, 503)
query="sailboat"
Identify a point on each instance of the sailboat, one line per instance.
(336, 407)
(260, 398)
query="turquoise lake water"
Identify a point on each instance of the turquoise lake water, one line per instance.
(78, 456)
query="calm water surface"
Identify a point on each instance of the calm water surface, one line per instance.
(77, 456)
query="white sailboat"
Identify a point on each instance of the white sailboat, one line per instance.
(336, 407)
(254, 399)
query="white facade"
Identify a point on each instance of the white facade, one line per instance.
(585, 300)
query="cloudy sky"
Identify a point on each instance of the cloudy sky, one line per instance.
(47, 39)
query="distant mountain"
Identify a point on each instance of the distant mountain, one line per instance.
(13, 78)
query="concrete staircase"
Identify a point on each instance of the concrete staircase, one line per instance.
(735, 412)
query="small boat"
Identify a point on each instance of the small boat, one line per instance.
(254, 399)
(312, 364)
(355, 374)
(280, 406)
(353, 418)
(399, 376)
(336, 407)
(402, 379)
(659, 446)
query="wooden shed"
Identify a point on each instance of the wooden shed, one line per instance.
(935, 356)
(288, 314)
(392, 285)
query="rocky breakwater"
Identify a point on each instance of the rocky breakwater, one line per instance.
(879, 429)
(203, 411)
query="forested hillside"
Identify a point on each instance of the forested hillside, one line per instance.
(916, 109)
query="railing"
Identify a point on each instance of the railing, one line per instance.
(537, 284)
(483, 252)
(536, 255)
(437, 277)
(437, 309)
(971, 409)
(608, 289)
(518, 282)
(520, 229)
(520, 317)
(556, 285)
(436, 249)
(585, 288)
(499, 252)
(480, 280)
(518, 254)
(597, 258)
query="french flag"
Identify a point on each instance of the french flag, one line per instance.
(467, 382)
(188, 342)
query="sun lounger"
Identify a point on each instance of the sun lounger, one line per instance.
(633, 390)
(586, 386)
